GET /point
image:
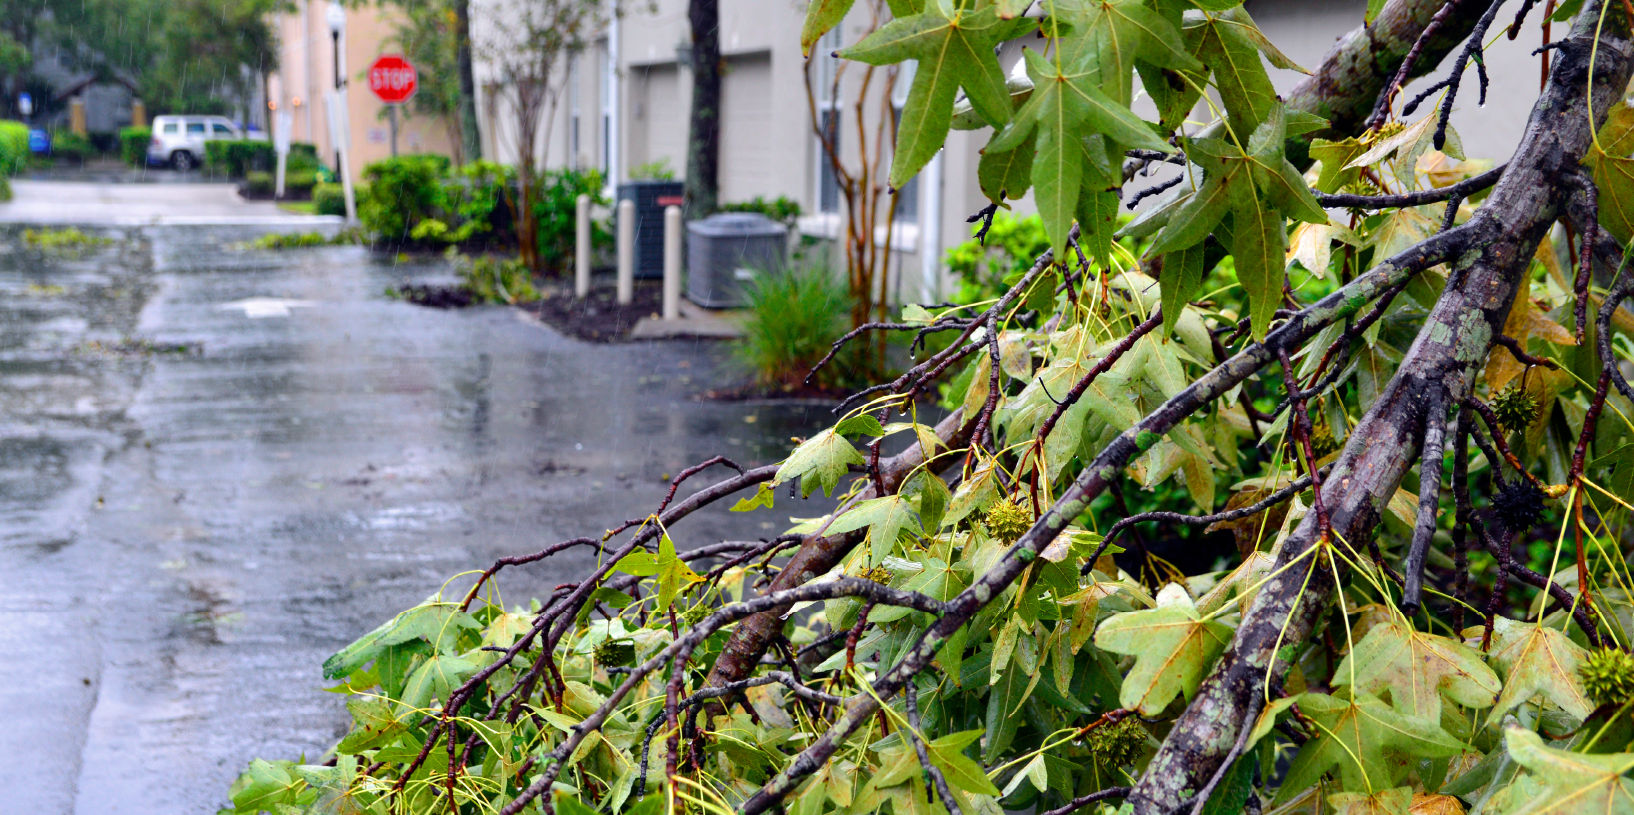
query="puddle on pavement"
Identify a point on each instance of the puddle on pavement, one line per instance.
(200, 504)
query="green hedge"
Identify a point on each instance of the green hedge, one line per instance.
(329, 199)
(133, 145)
(235, 158)
(13, 153)
(259, 183)
(299, 181)
(70, 145)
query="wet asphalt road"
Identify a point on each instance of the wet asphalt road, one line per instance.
(200, 501)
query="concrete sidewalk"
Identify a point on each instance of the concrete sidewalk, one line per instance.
(78, 202)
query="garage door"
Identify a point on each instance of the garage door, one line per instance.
(747, 167)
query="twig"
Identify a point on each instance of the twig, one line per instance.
(1429, 498)
(1462, 189)
(1197, 520)
(1472, 48)
(937, 780)
(1381, 108)
(1138, 197)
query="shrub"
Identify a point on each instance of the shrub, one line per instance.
(238, 157)
(495, 280)
(66, 144)
(556, 210)
(13, 153)
(259, 184)
(1012, 244)
(299, 181)
(104, 143)
(793, 319)
(658, 170)
(133, 145)
(782, 208)
(329, 199)
(402, 192)
(69, 241)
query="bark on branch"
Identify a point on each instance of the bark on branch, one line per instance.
(1443, 360)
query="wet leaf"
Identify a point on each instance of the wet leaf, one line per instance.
(1535, 660)
(820, 461)
(1577, 784)
(1172, 646)
(1369, 744)
(954, 48)
(1418, 669)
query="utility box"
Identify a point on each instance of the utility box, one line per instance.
(650, 197)
(728, 249)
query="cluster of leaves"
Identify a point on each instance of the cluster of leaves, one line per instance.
(67, 241)
(1057, 690)
(423, 199)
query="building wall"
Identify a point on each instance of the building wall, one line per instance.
(307, 73)
(768, 147)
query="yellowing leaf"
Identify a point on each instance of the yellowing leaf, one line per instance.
(1369, 744)
(1577, 784)
(1536, 660)
(1172, 647)
(1418, 669)
(1384, 802)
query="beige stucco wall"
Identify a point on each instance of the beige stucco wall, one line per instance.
(308, 72)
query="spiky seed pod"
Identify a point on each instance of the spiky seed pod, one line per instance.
(1518, 504)
(1322, 442)
(1515, 408)
(1362, 186)
(694, 615)
(878, 574)
(1608, 676)
(614, 653)
(1008, 521)
(1116, 745)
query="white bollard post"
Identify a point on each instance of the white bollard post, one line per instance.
(672, 263)
(581, 249)
(626, 252)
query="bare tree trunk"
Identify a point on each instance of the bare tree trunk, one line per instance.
(1439, 370)
(470, 138)
(704, 141)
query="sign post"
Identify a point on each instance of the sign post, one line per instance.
(393, 80)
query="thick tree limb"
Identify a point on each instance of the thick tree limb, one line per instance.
(1446, 356)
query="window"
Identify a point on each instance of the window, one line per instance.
(824, 80)
(221, 130)
(907, 198)
(170, 128)
(195, 127)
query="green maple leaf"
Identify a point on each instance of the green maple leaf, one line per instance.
(435, 678)
(1172, 646)
(819, 461)
(1577, 784)
(434, 621)
(265, 785)
(1065, 106)
(1257, 187)
(963, 773)
(1220, 41)
(373, 724)
(1536, 660)
(1108, 36)
(954, 46)
(1614, 171)
(1418, 669)
(1368, 743)
(885, 518)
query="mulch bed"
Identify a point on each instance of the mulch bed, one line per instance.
(435, 296)
(598, 317)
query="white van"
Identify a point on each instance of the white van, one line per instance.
(179, 140)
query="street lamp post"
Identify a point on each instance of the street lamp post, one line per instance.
(339, 111)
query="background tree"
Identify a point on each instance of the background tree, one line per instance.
(428, 33)
(527, 44)
(1409, 373)
(704, 133)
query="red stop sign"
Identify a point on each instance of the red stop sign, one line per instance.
(393, 79)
